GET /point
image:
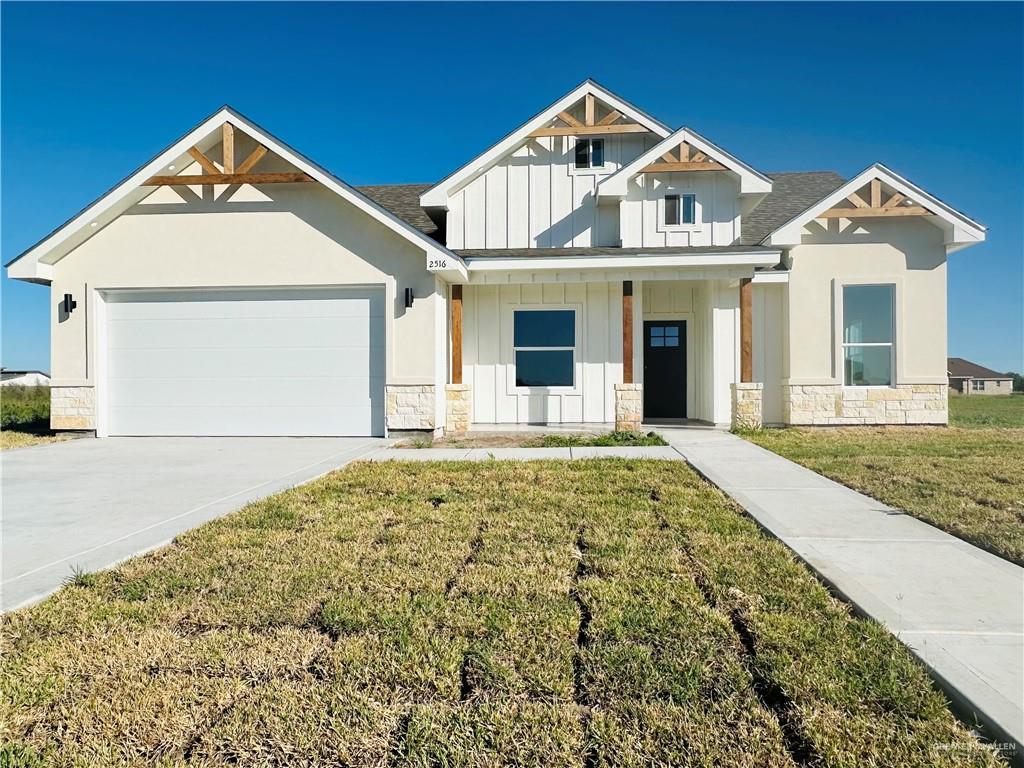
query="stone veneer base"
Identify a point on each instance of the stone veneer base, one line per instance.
(747, 398)
(72, 408)
(458, 401)
(834, 404)
(410, 406)
(629, 407)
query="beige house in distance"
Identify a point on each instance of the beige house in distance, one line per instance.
(969, 378)
(593, 266)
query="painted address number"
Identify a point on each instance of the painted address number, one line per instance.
(437, 263)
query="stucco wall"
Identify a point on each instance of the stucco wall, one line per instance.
(906, 252)
(279, 235)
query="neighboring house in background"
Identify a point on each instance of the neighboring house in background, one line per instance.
(592, 266)
(969, 378)
(10, 378)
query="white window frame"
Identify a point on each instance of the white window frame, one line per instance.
(698, 213)
(607, 168)
(843, 344)
(515, 389)
(975, 383)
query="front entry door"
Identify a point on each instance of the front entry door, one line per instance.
(665, 369)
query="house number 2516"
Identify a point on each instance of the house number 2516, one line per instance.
(437, 264)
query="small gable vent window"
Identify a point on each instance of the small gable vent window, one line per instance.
(679, 210)
(590, 153)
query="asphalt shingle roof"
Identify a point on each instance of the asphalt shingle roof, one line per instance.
(791, 194)
(958, 367)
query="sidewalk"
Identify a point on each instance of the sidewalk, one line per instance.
(958, 608)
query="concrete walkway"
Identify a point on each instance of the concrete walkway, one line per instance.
(958, 608)
(90, 503)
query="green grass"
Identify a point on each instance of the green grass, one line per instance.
(605, 613)
(968, 481)
(25, 417)
(625, 438)
(986, 411)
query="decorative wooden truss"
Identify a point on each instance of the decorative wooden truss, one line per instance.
(896, 205)
(590, 125)
(686, 158)
(229, 173)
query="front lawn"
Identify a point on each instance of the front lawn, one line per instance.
(25, 417)
(967, 481)
(594, 613)
(499, 439)
(986, 411)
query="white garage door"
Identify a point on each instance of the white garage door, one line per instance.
(244, 362)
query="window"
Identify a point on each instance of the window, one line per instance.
(590, 153)
(867, 335)
(978, 385)
(680, 209)
(664, 336)
(544, 345)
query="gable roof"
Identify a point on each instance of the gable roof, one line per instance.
(35, 264)
(437, 195)
(752, 182)
(960, 231)
(957, 367)
(791, 193)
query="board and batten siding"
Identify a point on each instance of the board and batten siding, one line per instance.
(534, 197)
(717, 202)
(488, 356)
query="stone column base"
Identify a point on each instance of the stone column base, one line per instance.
(409, 406)
(629, 407)
(458, 398)
(746, 405)
(72, 408)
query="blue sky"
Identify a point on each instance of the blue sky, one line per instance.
(407, 93)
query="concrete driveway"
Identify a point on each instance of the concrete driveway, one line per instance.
(90, 503)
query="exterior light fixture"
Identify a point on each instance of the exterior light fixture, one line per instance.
(68, 304)
(408, 297)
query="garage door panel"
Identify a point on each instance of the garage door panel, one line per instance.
(170, 364)
(245, 362)
(280, 391)
(219, 333)
(249, 421)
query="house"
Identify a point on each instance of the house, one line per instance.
(12, 378)
(594, 265)
(969, 378)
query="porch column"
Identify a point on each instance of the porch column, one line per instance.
(746, 330)
(457, 394)
(628, 394)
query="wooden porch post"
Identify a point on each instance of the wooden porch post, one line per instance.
(627, 331)
(456, 334)
(746, 330)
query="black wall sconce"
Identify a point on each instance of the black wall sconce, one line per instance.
(408, 297)
(69, 304)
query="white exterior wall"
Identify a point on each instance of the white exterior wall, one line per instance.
(769, 337)
(717, 210)
(488, 357)
(536, 198)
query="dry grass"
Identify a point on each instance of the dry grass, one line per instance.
(13, 438)
(967, 481)
(596, 613)
(535, 440)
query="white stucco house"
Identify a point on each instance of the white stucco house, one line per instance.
(594, 266)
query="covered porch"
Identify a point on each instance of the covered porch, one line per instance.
(623, 339)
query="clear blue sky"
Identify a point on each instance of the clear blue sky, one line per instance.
(407, 93)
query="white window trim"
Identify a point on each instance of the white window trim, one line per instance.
(577, 374)
(839, 363)
(601, 170)
(698, 209)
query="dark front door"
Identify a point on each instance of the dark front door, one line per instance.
(665, 369)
